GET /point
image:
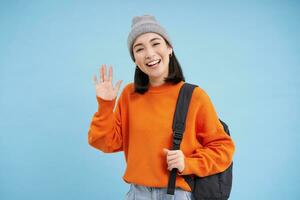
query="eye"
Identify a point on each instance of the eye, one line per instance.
(138, 50)
(156, 44)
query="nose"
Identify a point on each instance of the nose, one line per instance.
(149, 53)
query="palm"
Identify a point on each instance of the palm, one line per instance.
(104, 87)
(105, 90)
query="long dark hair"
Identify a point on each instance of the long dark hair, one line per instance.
(141, 80)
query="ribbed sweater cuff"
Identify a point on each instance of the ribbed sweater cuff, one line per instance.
(105, 104)
(187, 166)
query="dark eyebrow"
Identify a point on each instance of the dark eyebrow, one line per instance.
(141, 43)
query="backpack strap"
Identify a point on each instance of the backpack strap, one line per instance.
(179, 118)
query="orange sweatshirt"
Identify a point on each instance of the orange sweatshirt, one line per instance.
(141, 126)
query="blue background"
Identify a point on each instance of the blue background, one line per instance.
(244, 54)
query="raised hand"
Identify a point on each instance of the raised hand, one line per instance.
(104, 86)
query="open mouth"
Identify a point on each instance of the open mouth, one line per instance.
(153, 63)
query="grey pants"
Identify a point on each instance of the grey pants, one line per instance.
(138, 192)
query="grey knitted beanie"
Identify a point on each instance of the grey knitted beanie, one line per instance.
(145, 24)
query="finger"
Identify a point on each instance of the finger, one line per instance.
(172, 152)
(95, 79)
(101, 74)
(105, 75)
(110, 78)
(172, 157)
(173, 162)
(171, 167)
(174, 165)
(117, 87)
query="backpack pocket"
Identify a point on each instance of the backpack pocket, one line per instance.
(217, 186)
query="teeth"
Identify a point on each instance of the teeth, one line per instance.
(153, 62)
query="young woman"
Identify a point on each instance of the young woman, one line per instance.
(141, 123)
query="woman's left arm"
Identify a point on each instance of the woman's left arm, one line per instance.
(216, 153)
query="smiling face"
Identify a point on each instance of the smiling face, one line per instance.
(151, 53)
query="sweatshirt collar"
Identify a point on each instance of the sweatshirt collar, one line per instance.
(164, 87)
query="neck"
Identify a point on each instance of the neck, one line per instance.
(156, 82)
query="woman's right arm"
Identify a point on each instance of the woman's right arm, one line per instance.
(105, 129)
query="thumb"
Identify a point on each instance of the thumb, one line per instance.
(165, 150)
(118, 84)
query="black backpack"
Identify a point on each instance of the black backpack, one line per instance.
(213, 187)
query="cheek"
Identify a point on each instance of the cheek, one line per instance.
(137, 60)
(166, 59)
(139, 64)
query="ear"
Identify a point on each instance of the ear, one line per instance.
(170, 50)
